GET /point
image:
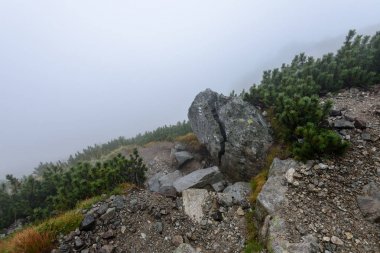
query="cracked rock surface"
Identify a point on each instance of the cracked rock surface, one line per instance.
(235, 133)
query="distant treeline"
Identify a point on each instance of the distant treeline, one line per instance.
(96, 152)
(290, 94)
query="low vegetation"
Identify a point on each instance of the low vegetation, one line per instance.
(291, 93)
(191, 141)
(290, 96)
(60, 189)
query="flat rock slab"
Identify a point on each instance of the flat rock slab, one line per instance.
(272, 196)
(198, 179)
(193, 200)
(270, 201)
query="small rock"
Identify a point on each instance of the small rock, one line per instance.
(143, 235)
(107, 249)
(323, 166)
(177, 240)
(109, 214)
(366, 136)
(88, 223)
(78, 243)
(336, 240)
(102, 209)
(349, 236)
(240, 211)
(158, 227)
(182, 157)
(108, 235)
(289, 175)
(225, 199)
(335, 113)
(361, 124)
(184, 248)
(343, 124)
(326, 239)
(217, 216)
(123, 229)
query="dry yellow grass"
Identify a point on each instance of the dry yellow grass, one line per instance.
(191, 141)
(28, 240)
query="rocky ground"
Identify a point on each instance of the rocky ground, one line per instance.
(142, 221)
(189, 220)
(337, 199)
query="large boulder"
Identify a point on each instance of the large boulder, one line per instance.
(198, 179)
(234, 132)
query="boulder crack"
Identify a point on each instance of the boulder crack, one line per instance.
(224, 135)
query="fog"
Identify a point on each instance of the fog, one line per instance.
(75, 73)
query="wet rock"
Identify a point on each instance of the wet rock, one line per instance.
(88, 223)
(198, 179)
(234, 132)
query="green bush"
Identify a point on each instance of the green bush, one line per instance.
(291, 93)
(315, 141)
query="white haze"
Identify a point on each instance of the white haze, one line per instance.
(78, 72)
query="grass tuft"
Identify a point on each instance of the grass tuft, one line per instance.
(191, 141)
(87, 203)
(28, 240)
(61, 224)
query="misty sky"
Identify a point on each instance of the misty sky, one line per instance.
(75, 72)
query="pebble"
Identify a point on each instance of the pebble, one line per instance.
(336, 240)
(240, 211)
(326, 239)
(349, 236)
